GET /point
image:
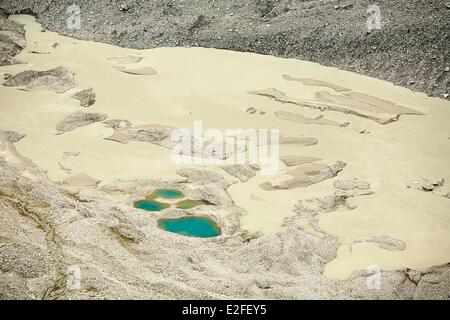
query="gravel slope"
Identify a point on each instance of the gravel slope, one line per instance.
(410, 50)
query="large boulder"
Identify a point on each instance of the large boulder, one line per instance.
(86, 97)
(58, 80)
(12, 40)
(78, 119)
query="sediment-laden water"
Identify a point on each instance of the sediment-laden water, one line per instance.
(342, 112)
(200, 227)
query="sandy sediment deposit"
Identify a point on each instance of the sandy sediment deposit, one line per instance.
(339, 203)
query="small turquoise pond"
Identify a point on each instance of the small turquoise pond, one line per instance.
(150, 205)
(200, 227)
(167, 194)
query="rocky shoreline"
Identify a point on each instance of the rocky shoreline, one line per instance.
(12, 40)
(47, 230)
(122, 254)
(411, 48)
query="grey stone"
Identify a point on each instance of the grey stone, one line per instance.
(58, 79)
(78, 119)
(86, 97)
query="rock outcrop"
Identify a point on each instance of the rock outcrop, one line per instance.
(355, 103)
(117, 123)
(86, 97)
(155, 134)
(54, 246)
(384, 242)
(204, 177)
(10, 136)
(303, 176)
(12, 40)
(78, 119)
(312, 207)
(58, 80)
(169, 138)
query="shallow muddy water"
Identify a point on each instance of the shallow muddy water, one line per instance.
(212, 86)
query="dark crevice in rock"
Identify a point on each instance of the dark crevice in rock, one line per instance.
(27, 11)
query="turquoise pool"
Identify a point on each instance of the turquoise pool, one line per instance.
(199, 227)
(167, 194)
(151, 205)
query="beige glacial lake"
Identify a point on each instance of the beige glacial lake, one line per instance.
(212, 86)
